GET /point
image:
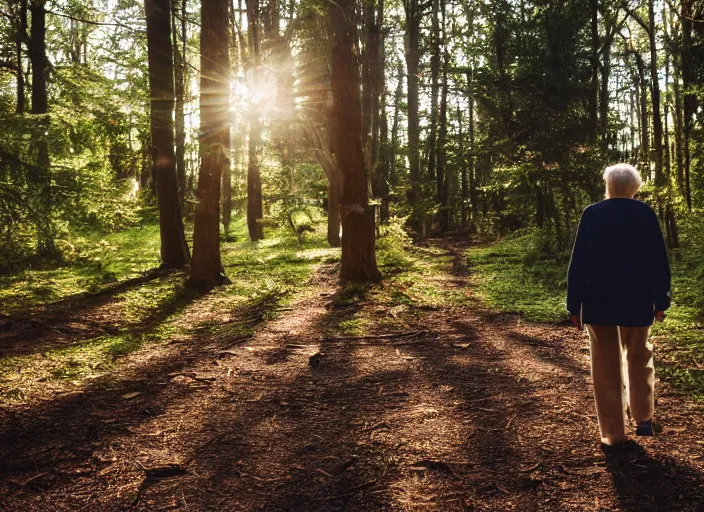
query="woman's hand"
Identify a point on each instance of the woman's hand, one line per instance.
(659, 316)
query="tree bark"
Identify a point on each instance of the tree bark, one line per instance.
(678, 132)
(358, 252)
(443, 178)
(434, 93)
(19, 41)
(206, 269)
(593, 97)
(412, 53)
(666, 106)
(378, 128)
(383, 165)
(463, 168)
(180, 90)
(689, 99)
(604, 96)
(174, 250)
(255, 210)
(655, 89)
(472, 182)
(334, 209)
(398, 96)
(644, 135)
(41, 175)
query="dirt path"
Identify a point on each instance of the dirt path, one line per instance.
(468, 411)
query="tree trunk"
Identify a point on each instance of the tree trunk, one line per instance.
(227, 198)
(678, 133)
(593, 97)
(412, 54)
(174, 250)
(37, 54)
(206, 269)
(443, 178)
(690, 99)
(368, 27)
(378, 151)
(461, 160)
(19, 40)
(41, 176)
(358, 252)
(398, 96)
(255, 210)
(323, 154)
(334, 209)
(666, 107)
(655, 89)
(644, 135)
(180, 89)
(472, 164)
(383, 165)
(604, 100)
(434, 93)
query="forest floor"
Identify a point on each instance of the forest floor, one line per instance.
(434, 405)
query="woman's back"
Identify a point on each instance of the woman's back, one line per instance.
(619, 268)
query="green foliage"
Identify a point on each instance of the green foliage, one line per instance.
(264, 277)
(514, 275)
(299, 192)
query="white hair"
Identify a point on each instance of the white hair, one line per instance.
(622, 180)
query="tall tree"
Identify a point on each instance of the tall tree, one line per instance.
(358, 244)
(180, 82)
(20, 35)
(174, 250)
(689, 100)
(414, 13)
(432, 142)
(255, 210)
(398, 96)
(442, 174)
(41, 173)
(594, 93)
(206, 268)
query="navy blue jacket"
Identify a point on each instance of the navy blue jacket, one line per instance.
(619, 274)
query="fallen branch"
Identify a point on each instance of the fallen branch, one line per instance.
(405, 343)
(531, 468)
(237, 341)
(378, 426)
(377, 336)
(353, 490)
(25, 482)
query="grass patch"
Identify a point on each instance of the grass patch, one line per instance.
(509, 276)
(416, 280)
(265, 275)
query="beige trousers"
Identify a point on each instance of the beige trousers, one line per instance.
(621, 356)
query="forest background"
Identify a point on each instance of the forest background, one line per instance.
(136, 134)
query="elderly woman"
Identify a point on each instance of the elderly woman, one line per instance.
(618, 282)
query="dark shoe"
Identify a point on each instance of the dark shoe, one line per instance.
(648, 429)
(622, 448)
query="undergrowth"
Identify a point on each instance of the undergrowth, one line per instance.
(158, 309)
